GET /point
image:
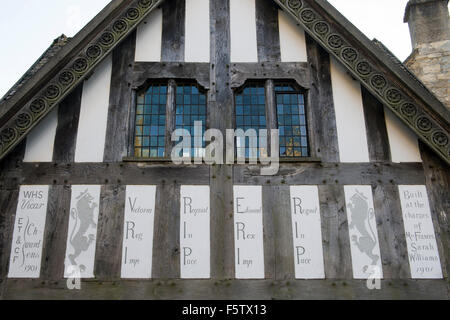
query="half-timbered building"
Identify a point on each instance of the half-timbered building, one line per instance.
(88, 188)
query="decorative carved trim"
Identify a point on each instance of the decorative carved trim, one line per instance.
(389, 93)
(13, 131)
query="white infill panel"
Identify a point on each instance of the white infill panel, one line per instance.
(362, 229)
(137, 246)
(41, 140)
(194, 232)
(197, 34)
(292, 39)
(248, 232)
(82, 231)
(149, 38)
(403, 142)
(350, 122)
(423, 253)
(91, 133)
(26, 247)
(244, 46)
(307, 233)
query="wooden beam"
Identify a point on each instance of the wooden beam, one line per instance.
(269, 289)
(66, 131)
(173, 30)
(322, 117)
(120, 103)
(377, 136)
(220, 101)
(267, 32)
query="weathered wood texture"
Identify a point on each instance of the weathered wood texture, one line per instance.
(320, 101)
(220, 101)
(105, 173)
(333, 173)
(56, 229)
(377, 137)
(108, 253)
(173, 30)
(335, 237)
(170, 116)
(437, 176)
(12, 162)
(267, 33)
(8, 205)
(143, 71)
(117, 131)
(224, 290)
(66, 131)
(166, 239)
(278, 241)
(391, 232)
(299, 71)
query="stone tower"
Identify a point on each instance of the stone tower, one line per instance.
(430, 36)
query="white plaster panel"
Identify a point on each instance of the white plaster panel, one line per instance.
(149, 38)
(243, 31)
(292, 39)
(197, 34)
(350, 122)
(403, 142)
(93, 119)
(41, 140)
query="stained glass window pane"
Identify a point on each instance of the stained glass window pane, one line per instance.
(291, 121)
(191, 107)
(250, 114)
(150, 126)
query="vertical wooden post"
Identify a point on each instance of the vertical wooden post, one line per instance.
(170, 116)
(221, 114)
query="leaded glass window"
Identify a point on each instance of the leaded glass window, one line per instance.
(250, 114)
(150, 125)
(291, 118)
(191, 107)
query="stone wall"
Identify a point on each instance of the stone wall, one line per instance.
(430, 62)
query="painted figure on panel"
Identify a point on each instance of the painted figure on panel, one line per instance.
(84, 214)
(361, 214)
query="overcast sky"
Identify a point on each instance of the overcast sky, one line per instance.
(28, 27)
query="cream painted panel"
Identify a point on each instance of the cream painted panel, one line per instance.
(350, 123)
(40, 141)
(243, 31)
(423, 251)
(197, 32)
(402, 141)
(149, 38)
(82, 232)
(292, 39)
(90, 143)
(363, 234)
(26, 247)
(248, 235)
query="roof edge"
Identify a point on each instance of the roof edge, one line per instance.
(86, 34)
(377, 54)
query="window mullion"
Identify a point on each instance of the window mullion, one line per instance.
(170, 115)
(271, 110)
